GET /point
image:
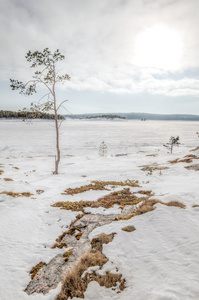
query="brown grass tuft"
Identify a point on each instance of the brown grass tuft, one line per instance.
(1, 172)
(97, 243)
(195, 205)
(148, 205)
(8, 179)
(59, 245)
(187, 159)
(122, 198)
(148, 193)
(192, 156)
(128, 228)
(175, 203)
(36, 269)
(39, 192)
(175, 161)
(72, 231)
(78, 235)
(67, 254)
(100, 185)
(61, 236)
(23, 194)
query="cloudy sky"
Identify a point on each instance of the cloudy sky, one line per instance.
(122, 55)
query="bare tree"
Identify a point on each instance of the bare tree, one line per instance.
(46, 75)
(174, 141)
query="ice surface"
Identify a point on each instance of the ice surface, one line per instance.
(160, 259)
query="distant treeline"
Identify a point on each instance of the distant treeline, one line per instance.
(7, 114)
(138, 116)
(106, 117)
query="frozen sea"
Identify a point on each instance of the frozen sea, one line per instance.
(160, 259)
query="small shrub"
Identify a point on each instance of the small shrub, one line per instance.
(103, 149)
(174, 141)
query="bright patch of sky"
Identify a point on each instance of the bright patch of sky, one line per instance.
(122, 55)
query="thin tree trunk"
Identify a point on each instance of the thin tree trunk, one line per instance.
(57, 132)
(57, 145)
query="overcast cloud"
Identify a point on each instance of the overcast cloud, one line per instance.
(98, 39)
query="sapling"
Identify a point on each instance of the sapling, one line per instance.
(46, 75)
(174, 141)
(103, 149)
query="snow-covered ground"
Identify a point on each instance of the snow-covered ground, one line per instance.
(159, 260)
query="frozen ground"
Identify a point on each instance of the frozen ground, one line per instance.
(160, 259)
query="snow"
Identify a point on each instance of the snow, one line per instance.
(159, 260)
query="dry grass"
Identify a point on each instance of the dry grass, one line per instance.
(76, 282)
(8, 179)
(174, 203)
(192, 156)
(148, 193)
(193, 167)
(23, 194)
(122, 198)
(16, 168)
(59, 245)
(39, 192)
(72, 231)
(1, 172)
(175, 161)
(78, 235)
(152, 167)
(36, 269)
(195, 205)
(100, 185)
(148, 205)
(187, 159)
(128, 228)
(61, 236)
(78, 217)
(67, 254)
(103, 238)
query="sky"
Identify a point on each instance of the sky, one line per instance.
(121, 55)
